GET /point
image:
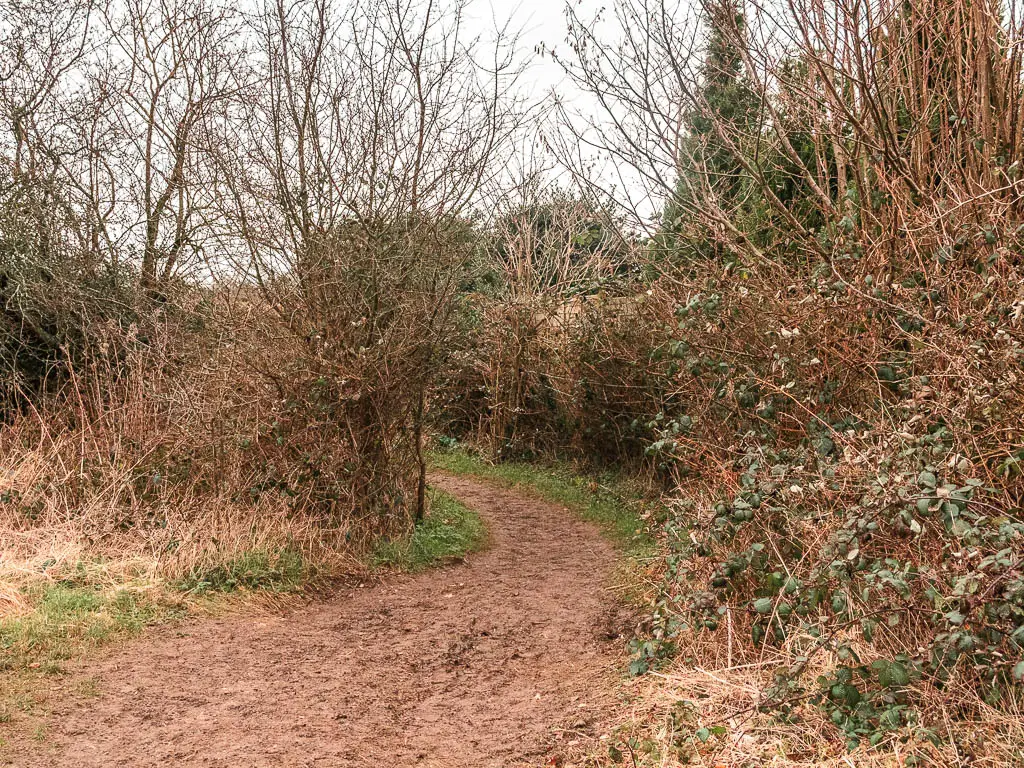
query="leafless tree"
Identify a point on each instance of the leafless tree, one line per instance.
(173, 65)
(370, 132)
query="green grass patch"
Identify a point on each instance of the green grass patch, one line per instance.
(450, 531)
(78, 614)
(68, 619)
(609, 501)
(284, 570)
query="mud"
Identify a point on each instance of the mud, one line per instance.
(498, 661)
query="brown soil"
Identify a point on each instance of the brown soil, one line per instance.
(498, 661)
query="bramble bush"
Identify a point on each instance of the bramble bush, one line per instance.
(820, 359)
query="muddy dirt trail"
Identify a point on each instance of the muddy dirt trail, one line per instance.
(493, 662)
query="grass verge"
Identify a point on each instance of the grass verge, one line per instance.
(57, 620)
(90, 608)
(67, 619)
(610, 502)
(282, 571)
(450, 531)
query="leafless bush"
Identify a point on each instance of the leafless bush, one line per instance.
(370, 134)
(547, 263)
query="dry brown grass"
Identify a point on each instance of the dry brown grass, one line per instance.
(167, 467)
(675, 704)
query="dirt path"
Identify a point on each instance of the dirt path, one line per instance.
(487, 663)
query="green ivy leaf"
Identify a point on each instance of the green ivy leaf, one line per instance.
(763, 605)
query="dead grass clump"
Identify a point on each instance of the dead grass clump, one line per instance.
(169, 466)
(714, 716)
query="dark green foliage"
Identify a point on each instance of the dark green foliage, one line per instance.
(725, 111)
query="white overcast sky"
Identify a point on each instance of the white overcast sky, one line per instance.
(541, 24)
